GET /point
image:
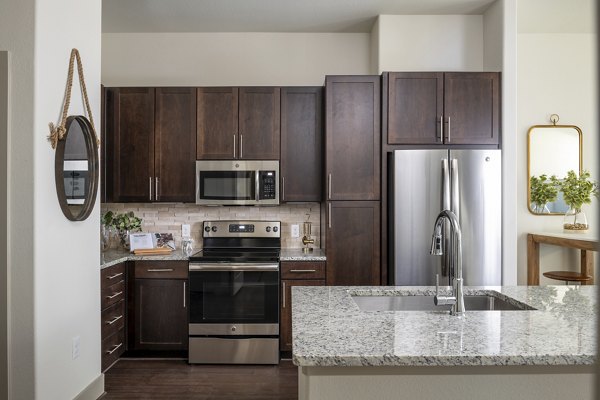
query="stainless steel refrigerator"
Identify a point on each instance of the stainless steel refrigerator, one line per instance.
(424, 182)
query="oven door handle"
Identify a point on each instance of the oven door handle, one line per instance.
(234, 267)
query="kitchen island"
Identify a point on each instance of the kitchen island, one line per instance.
(345, 353)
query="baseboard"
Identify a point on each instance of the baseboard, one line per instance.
(93, 391)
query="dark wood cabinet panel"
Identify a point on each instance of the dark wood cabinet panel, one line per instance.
(259, 122)
(175, 144)
(129, 143)
(353, 243)
(415, 108)
(472, 107)
(352, 134)
(285, 324)
(302, 270)
(217, 123)
(160, 314)
(301, 143)
(113, 315)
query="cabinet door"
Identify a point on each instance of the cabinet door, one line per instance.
(129, 144)
(352, 137)
(175, 144)
(259, 123)
(415, 108)
(353, 245)
(217, 123)
(160, 314)
(472, 107)
(285, 324)
(301, 144)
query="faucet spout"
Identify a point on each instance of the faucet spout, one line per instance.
(457, 299)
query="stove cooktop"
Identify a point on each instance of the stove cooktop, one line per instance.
(230, 255)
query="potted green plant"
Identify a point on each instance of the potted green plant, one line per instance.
(106, 230)
(543, 190)
(125, 224)
(577, 191)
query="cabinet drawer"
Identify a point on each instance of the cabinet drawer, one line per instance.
(303, 270)
(112, 294)
(161, 270)
(111, 275)
(112, 348)
(113, 319)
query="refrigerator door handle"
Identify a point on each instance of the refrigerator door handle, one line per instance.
(445, 185)
(455, 197)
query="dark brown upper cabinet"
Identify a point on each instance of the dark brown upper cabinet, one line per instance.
(150, 141)
(301, 143)
(238, 123)
(352, 137)
(432, 108)
(353, 242)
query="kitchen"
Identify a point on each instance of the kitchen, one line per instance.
(353, 53)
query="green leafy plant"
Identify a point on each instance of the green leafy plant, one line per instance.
(578, 190)
(107, 219)
(127, 222)
(543, 190)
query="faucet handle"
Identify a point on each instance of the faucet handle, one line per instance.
(441, 300)
(437, 284)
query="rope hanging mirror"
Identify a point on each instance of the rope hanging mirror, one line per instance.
(76, 160)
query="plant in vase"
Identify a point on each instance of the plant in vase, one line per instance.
(125, 224)
(543, 190)
(577, 191)
(106, 229)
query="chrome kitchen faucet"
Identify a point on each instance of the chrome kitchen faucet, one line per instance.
(457, 299)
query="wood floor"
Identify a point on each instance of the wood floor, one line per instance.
(174, 379)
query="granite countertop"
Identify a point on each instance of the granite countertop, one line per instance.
(330, 330)
(112, 257)
(299, 255)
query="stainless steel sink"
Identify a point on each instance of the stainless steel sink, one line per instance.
(425, 303)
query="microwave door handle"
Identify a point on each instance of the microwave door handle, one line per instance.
(256, 187)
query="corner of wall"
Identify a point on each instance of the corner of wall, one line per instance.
(375, 38)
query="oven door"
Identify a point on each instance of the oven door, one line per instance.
(234, 299)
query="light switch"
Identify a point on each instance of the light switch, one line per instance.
(295, 230)
(185, 230)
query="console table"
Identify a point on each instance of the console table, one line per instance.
(587, 243)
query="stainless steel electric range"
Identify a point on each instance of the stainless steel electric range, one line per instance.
(234, 294)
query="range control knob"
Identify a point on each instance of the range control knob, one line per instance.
(207, 229)
(233, 329)
(275, 229)
(214, 228)
(268, 228)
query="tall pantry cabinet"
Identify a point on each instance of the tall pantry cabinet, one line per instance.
(352, 179)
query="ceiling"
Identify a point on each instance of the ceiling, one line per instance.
(268, 15)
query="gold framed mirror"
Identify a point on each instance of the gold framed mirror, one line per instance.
(552, 150)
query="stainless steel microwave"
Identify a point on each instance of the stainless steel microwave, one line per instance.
(237, 182)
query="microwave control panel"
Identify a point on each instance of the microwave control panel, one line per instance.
(267, 180)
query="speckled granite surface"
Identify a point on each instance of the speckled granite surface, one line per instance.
(330, 330)
(112, 257)
(299, 255)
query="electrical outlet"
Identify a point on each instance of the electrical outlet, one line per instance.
(185, 230)
(76, 347)
(295, 230)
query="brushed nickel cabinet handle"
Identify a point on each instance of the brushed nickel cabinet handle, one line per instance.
(114, 348)
(448, 131)
(114, 295)
(303, 270)
(150, 188)
(283, 188)
(283, 283)
(160, 270)
(329, 215)
(115, 319)
(329, 187)
(184, 284)
(156, 184)
(241, 146)
(234, 135)
(114, 276)
(439, 138)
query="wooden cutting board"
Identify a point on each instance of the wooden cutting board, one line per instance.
(148, 252)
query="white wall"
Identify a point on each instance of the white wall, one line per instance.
(557, 74)
(231, 59)
(4, 77)
(430, 43)
(54, 263)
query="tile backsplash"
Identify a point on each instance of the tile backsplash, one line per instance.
(168, 218)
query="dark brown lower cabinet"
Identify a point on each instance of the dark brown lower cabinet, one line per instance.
(353, 242)
(113, 314)
(295, 273)
(159, 320)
